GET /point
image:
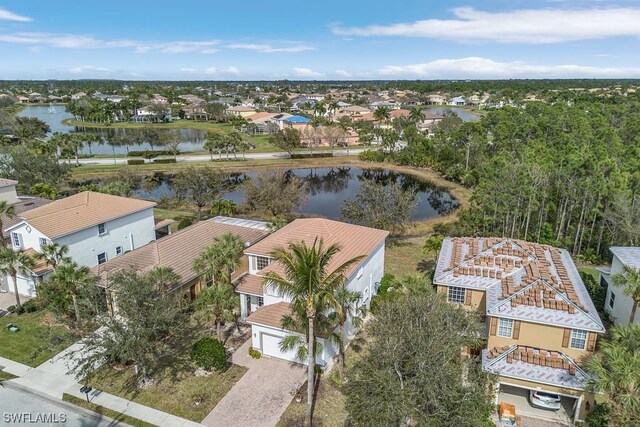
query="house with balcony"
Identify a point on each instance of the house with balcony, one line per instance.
(540, 321)
(94, 226)
(617, 304)
(263, 307)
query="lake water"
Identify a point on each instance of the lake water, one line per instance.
(329, 188)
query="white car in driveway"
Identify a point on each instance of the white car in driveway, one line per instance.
(544, 400)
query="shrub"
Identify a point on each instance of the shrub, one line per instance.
(150, 154)
(16, 310)
(386, 282)
(184, 223)
(135, 161)
(310, 155)
(599, 416)
(167, 160)
(254, 353)
(209, 353)
(372, 156)
(30, 306)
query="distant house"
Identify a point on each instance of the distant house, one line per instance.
(77, 96)
(389, 104)
(436, 99)
(263, 307)
(353, 110)
(23, 99)
(94, 226)
(55, 98)
(241, 111)
(457, 101)
(297, 122)
(617, 304)
(195, 112)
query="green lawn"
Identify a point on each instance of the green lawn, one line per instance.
(20, 346)
(114, 415)
(176, 391)
(6, 376)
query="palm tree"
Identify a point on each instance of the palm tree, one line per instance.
(220, 259)
(311, 288)
(381, 114)
(214, 141)
(164, 278)
(630, 280)
(54, 254)
(614, 372)
(6, 210)
(349, 310)
(416, 115)
(70, 278)
(433, 245)
(223, 207)
(319, 109)
(218, 304)
(13, 262)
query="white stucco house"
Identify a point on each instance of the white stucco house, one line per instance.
(263, 307)
(94, 226)
(617, 304)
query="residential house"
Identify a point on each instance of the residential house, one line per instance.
(541, 323)
(78, 95)
(279, 119)
(55, 98)
(457, 101)
(20, 204)
(195, 112)
(353, 111)
(264, 122)
(94, 226)
(263, 307)
(390, 104)
(617, 304)
(23, 99)
(178, 251)
(297, 122)
(241, 111)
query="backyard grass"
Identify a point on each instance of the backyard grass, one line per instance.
(176, 391)
(403, 256)
(20, 346)
(114, 415)
(6, 376)
(177, 124)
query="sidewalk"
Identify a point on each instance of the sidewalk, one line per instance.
(52, 379)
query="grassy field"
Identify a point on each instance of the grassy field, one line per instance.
(20, 346)
(114, 415)
(177, 124)
(176, 391)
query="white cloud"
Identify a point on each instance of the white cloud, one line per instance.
(343, 73)
(5, 15)
(188, 70)
(529, 26)
(481, 68)
(306, 72)
(231, 70)
(88, 69)
(268, 48)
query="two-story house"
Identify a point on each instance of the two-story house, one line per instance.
(263, 307)
(617, 304)
(540, 320)
(94, 226)
(177, 252)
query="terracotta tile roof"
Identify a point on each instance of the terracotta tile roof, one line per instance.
(81, 211)
(270, 315)
(262, 116)
(355, 240)
(399, 113)
(250, 284)
(41, 266)
(177, 250)
(535, 364)
(522, 280)
(25, 204)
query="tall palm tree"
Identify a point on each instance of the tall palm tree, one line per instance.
(416, 115)
(311, 288)
(70, 278)
(6, 210)
(349, 310)
(630, 280)
(54, 254)
(614, 372)
(218, 303)
(220, 259)
(381, 114)
(214, 142)
(14, 262)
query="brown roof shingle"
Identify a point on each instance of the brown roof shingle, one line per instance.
(40, 266)
(270, 315)
(81, 211)
(250, 284)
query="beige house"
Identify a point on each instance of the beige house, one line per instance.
(178, 251)
(241, 111)
(540, 320)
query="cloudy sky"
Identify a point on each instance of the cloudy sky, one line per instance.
(257, 39)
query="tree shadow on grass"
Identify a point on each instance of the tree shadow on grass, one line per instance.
(426, 266)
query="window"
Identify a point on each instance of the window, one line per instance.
(209, 280)
(456, 294)
(43, 242)
(261, 262)
(16, 238)
(118, 250)
(505, 328)
(102, 229)
(102, 258)
(578, 339)
(612, 299)
(260, 301)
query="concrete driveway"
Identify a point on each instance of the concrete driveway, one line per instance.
(262, 394)
(8, 299)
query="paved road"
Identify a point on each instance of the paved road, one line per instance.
(206, 157)
(21, 408)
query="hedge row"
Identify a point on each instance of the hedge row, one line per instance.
(135, 162)
(310, 155)
(150, 153)
(167, 160)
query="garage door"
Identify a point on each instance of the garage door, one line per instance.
(26, 286)
(271, 347)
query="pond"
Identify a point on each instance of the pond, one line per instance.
(329, 188)
(54, 115)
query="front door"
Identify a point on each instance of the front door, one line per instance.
(192, 292)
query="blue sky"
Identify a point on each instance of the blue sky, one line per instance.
(215, 40)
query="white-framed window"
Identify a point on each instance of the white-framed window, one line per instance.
(578, 339)
(261, 262)
(102, 258)
(43, 241)
(118, 250)
(102, 229)
(16, 239)
(456, 294)
(505, 328)
(260, 301)
(612, 299)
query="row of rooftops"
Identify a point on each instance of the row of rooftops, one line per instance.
(522, 280)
